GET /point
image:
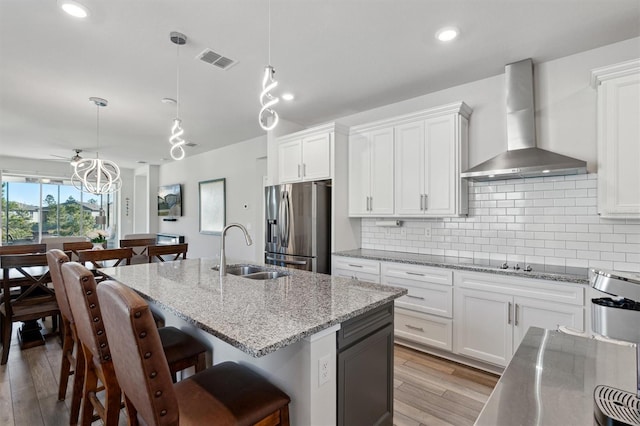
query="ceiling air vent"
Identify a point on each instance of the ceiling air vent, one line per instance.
(216, 59)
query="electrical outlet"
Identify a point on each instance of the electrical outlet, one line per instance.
(427, 232)
(324, 369)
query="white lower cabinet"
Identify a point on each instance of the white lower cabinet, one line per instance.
(492, 314)
(424, 314)
(477, 315)
(359, 269)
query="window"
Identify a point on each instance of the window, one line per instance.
(33, 208)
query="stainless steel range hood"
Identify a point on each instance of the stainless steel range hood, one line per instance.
(523, 158)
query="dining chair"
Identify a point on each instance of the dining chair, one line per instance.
(225, 394)
(116, 256)
(139, 246)
(71, 364)
(180, 349)
(36, 299)
(18, 249)
(74, 247)
(175, 250)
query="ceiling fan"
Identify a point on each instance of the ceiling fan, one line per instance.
(73, 160)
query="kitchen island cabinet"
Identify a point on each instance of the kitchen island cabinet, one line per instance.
(284, 328)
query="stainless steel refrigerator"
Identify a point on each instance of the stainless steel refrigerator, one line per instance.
(298, 226)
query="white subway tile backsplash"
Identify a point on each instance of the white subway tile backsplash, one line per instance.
(550, 220)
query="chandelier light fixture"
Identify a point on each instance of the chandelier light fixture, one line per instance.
(94, 175)
(268, 117)
(176, 141)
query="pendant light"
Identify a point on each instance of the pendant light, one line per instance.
(94, 175)
(176, 141)
(267, 100)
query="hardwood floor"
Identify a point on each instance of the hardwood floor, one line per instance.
(433, 391)
(428, 390)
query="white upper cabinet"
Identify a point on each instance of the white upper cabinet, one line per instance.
(305, 157)
(430, 150)
(371, 172)
(430, 155)
(618, 89)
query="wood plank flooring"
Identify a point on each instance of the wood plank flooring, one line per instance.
(433, 391)
(427, 390)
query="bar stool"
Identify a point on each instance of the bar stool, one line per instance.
(181, 350)
(225, 394)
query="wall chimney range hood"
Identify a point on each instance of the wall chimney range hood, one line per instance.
(523, 158)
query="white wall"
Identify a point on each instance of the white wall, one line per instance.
(242, 165)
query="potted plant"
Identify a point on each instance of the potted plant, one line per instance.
(98, 237)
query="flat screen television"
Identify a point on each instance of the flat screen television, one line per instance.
(170, 200)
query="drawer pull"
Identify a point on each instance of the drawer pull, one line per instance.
(413, 327)
(415, 297)
(355, 266)
(414, 273)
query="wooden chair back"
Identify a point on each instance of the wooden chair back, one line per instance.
(94, 257)
(74, 247)
(146, 382)
(23, 249)
(139, 245)
(80, 285)
(175, 250)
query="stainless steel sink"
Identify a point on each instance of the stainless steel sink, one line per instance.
(254, 272)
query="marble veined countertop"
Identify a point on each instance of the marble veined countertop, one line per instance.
(538, 271)
(256, 316)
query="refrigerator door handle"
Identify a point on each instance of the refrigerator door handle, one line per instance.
(288, 262)
(284, 219)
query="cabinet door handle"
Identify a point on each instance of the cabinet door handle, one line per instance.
(370, 204)
(509, 314)
(354, 266)
(425, 201)
(299, 171)
(413, 327)
(421, 201)
(414, 273)
(367, 207)
(304, 169)
(517, 314)
(415, 297)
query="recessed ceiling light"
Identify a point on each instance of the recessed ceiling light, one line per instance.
(141, 162)
(168, 101)
(288, 96)
(73, 8)
(447, 33)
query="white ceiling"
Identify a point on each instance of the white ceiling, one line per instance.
(338, 56)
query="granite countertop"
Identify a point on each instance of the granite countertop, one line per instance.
(256, 316)
(542, 272)
(551, 378)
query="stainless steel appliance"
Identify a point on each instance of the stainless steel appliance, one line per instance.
(617, 316)
(298, 226)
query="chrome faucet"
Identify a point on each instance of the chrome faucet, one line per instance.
(223, 260)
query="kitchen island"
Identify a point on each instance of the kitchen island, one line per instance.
(283, 328)
(551, 379)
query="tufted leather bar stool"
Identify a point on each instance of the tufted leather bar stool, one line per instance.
(70, 364)
(223, 395)
(181, 350)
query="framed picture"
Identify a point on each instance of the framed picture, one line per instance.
(212, 206)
